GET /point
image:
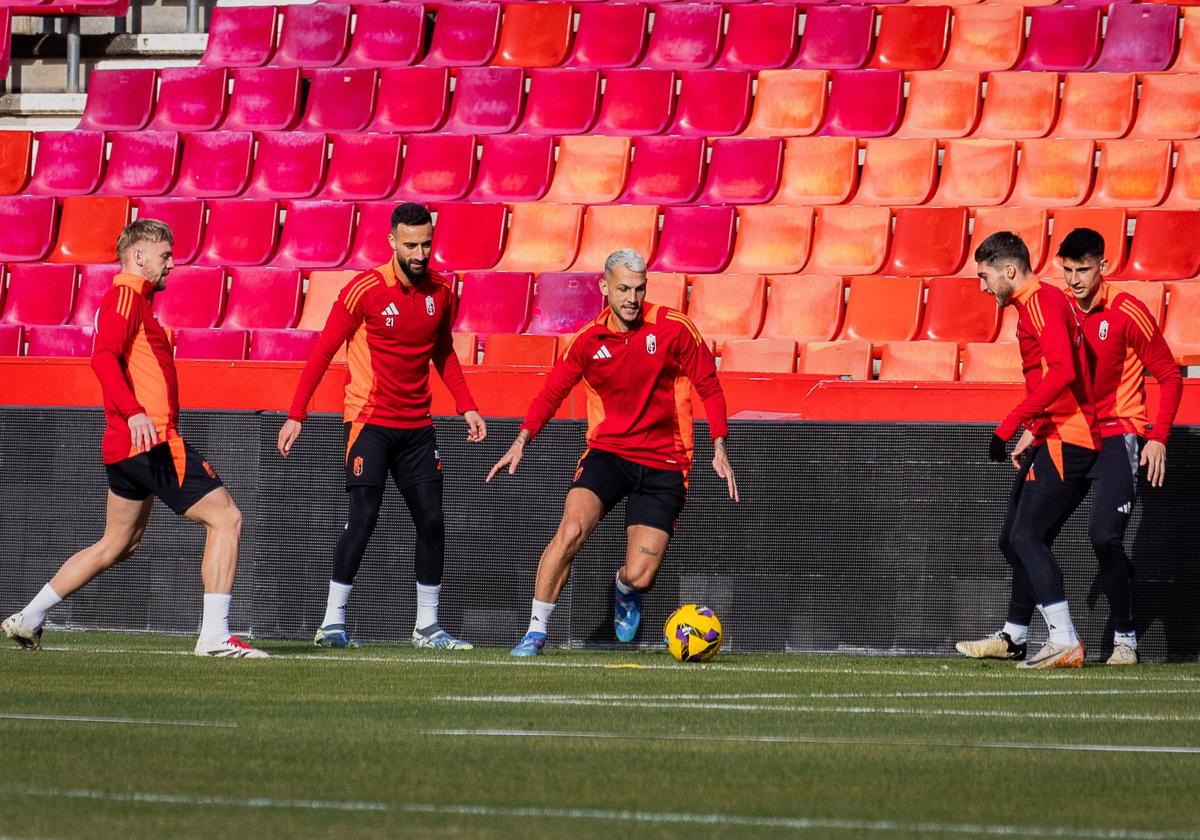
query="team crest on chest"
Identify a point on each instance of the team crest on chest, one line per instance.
(651, 344)
(430, 307)
(1103, 330)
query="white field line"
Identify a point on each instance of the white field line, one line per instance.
(874, 695)
(789, 739)
(131, 721)
(793, 823)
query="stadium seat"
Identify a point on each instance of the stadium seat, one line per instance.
(466, 347)
(956, 310)
(287, 164)
(542, 237)
(883, 309)
(787, 103)
(16, 154)
(771, 240)
(38, 293)
(222, 344)
(918, 361)
(695, 240)
(339, 99)
(976, 173)
(1062, 38)
(942, 104)
(262, 298)
(665, 170)
(1018, 106)
(190, 98)
(985, 38)
(609, 35)
(195, 297)
(316, 234)
(1111, 222)
(1053, 173)
(141, 162)
(26, 227)
(1187, 58)
(761, 355)
(215, 164)
(185, 216)
(836, 37)
(1008, 326)
(1185, 185)
(1168, 107)
(1164, 246)
(712, 103)
(668, 289)
(1154, 295)
(1000, 362)
(95, 279)
(89, 227)
(513, 168)
(370, 247)
(437, 167)
(119, 100)
(263, 99)
(239, 232)
(67, 163)
(386, 35)
(12, 339)
(563, 303)
(411, 99)
(487, 100)
(241, 36)
(1032, 224)
(494, 302)
(608, 228)
(59, 341)
(896, 173)
(804, 308)
(685, 36)
(743, 171)
(759, 36)
(322, 291)
(818, 170)
(1132, 173)
(911, 37)
(362, 167)
(312, 36)
(561, 101)
(864, 103)
(1181, 326)
(849, 240)
(636, 102)
(535, 35)
(1096, 106)
(520, 350)
(270, 345)
(464, 35)
(589, 170)
(468, 237)
(1138, 38)
(727, 306)
(928, 241)
(836, 359)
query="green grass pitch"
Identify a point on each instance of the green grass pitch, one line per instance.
(117, 736)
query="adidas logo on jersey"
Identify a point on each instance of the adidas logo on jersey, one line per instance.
(391, 310)
(602, 353)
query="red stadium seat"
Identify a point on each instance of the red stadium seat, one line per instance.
(976, 173)
(39, 293)
(16, 154)
(636, 102)
(864, 103)
(316, 234)
(190, 98)
(411, 99)
(215, 164)
(836, 37)
(1110, 222)
(849, 240)
(12, 339)
(322, 292)
(1138, 38)
(1018, 106)
(956, 310)
(1096, 106)
(312, 36)
(468, 237)
(339, 99)
(363, 167)
(67, 163)
(520, 350)
(89, 227)
(561, 101)
(918, 361)
(985, 38)
(386, 35)
(542, 237)
(911, 37)
(989, 362)
(494, 302)
(665, 170)
(264, 99)
(141, 162)
(942, 104)
(883, 309)
(743, 171)
(695, 239)
(1132, 173)
(241, 36)
(198, 343)
(818, 170)
(513, 168)
(262, 298)
(370, 247)
(836, 359)
(563, 303)
(282, 345)
(1062, 38)
(464, 35)
(728, 306)
(667, 289)
(589, 170)
(437, 167)
(119, 100)
(1030, 223)
(95, 279)
(928, 241)
(606, 229)
(1164, 246)
(59, 341)
(787, 103)
(487, 100)
(287, 164)
(1054, 173)
(26, 227)
(712, 103)
(184, 216)
(760, 37)
(609, 35)
(239, 232)
(194, 297)
(898, 172)
(1168, 107)
(772, 240)
(761, 355)
(685, 36)
(535, 35)
(1181, 327)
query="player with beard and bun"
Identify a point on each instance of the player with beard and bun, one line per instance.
(395, 319)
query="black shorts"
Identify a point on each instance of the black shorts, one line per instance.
(654, 497)
(173, 471)
(373, 452)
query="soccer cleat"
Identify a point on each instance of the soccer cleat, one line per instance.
(230, 647)
(1122, 655)
(530, 645)
(1056, 656)
(435, 637)
(16, 630)
(627, 614)
(334, 636)
(996, 646)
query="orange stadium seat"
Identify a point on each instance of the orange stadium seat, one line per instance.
(323, 289)
(836, 37)
(468, 237)
(636, 102)
(1062, 38)
(987, 362)
(197, 298)
(141, 162)
(864, 103)
(1030, 223)
(513, 168)
(185, 217)
(976, 173)
(727, 306)
(1096, 106)
(1185, 185)
(370, 247)
(316, 234)
(956, 310)
(1132, 173)
(312, 36)
(437, 167)
(95, 279)
(241, 36)
(849, 240)
(1054, 173)
(287, 164)
(564, 302)
(911, 37)
(1154, 295)
(523, 350)
(1164, 246)
(836, 359)
(883, 309)
(464, 35)
(665, 170)
(818, 170)
(772, 240)
(743, 170)
(928, 241)
(609, 35)
(1109, 222)
(239, 232)
(26, 227)
(466, 347)
(561, 101)
(1187, 57)
(985, 38)
(339, 99)
(695, 239)
(119, 100)
(542, 237)
(362, 167)
(896, 173)
(1168, 107)
(804, 308)
(1181, 327)
(760, 355)
(918, 361)
(1008, 326)
(263, 99)
(59, 341)
(494, 302)
(262, 298)
(190, 98)
(199, 343)
(16, 154)
(39, 293)
(89, 227)
(411, 99)
(12, 339)
(787, 103)
(67, 163)
(712, 103)
(942, 104)
(589, 170)
(535, 35)
(386, 35)
(608, 228)
(487, 100)
(760, 37)
(269, 345)
(1017, 106)
(685, 36)
(667, 288)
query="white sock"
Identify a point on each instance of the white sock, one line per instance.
(1058, 621)
(335, 606)
(1129, 639)
(622, 587)
(1017, 632)
(539, 618)
(35, 613)
(215, 625)
(427, 605)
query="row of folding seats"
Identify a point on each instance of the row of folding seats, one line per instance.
(693, 36)
(633, 102)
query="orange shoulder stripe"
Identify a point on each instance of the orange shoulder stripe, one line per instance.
(574, 338)
(1138, 317)
(683, 319)
(360, 289)
(1035, 315)
(124, 300)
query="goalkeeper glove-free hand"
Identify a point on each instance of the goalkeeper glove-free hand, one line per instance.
(997, 449)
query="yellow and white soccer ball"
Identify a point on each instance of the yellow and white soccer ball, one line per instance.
(693, 633)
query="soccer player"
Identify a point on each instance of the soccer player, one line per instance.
(397, 320)
(143, 453)
(635, 361)
(1058, 412)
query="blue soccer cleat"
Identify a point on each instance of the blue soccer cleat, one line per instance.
(435, 637)
(627, 615)
(334, 636)
(530, 645)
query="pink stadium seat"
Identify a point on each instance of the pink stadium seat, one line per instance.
(955, 310)
(805, 308)
(59, 341)
(95, 279)
(67, 163)
(387, 35)
(468, 237)
(38, 293)
(190, 98)
(985, 38)
(942, 104)
(487, 100)
(976, 173)
(883, 309)
(1096, 106)
(5, 41)
(728, 306)
(1139, 38)
(411, 99)
(712, 102)
(685, 36)
(898, 172)
(836, 37)
(864, 103)
(918, 361)
(607, 228)
(1168, 107)
(239, 232)
(494, 302)
(1164, 246)
(911, 37)
(316, 234)
(362, 167)
(16, 154)
(771, 240)
(199, 343)
(665, 170)
(1054, 173)
(1018, 106)
(88, 228)
(999, 362)
(590, 169)
(760, 37)
(141, 162)
(370, 247)
(312, 36)
(636, 102)
(513, 168)
(787, 103)
(437, 167)
(849, 240)
(609, 35)
(263, 99)
(118, 100)
(185, 217)
(464, 35)
(743, 171)
(520, 350)
(241, 36)
(759, 355)
(1032, 224)
(535, 35)
(262, 298)
(194, 297)
(695, 240)
(215, 164)
(561, 101)
(541, 237)
(267, 345)
(26, 227)
(1132, 173)
(339, 99)
(563, 303)
(287, 164)
(1111, 222)
(1062, 38)
(12, 339)
(818, 170)
(928, 241)
(836, 359)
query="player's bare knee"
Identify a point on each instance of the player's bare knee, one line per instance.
(572, 533)
(227, 520)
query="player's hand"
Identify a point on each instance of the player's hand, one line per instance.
(1024, 443)
(476, 427)
(142, 433)
(722, 468)
(1154, 459)
(287, 437)
(997, 449)
(511, 458)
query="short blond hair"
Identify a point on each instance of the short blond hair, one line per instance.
(151, 231)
